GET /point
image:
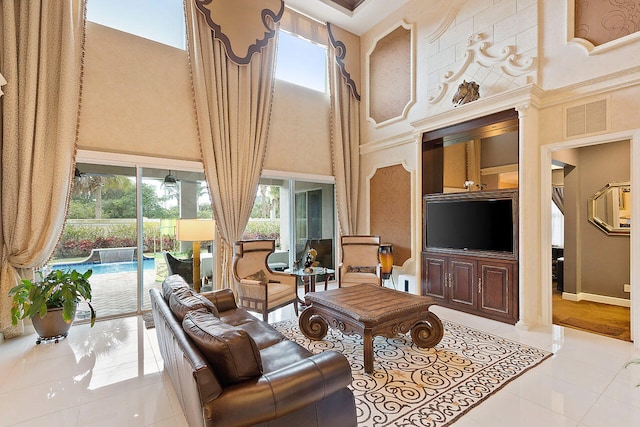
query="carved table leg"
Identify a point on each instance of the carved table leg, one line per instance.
(367, 338)
(312, 325)
(428, 332)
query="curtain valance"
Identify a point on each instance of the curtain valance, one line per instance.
(242, 27)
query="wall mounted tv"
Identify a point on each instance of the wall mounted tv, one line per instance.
(483, 222)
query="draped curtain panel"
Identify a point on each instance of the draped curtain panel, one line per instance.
(557, 196)
(41, 49)
(344, 71)
(232, 47)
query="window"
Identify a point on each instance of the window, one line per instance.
(158, 20)
(301, 62)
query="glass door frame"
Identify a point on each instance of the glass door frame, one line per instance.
(139, 163)
(292, 178)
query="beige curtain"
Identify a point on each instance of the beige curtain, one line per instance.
(345, 133)
(232, 85)
(41, 57)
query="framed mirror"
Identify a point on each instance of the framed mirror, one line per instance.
(609, 208)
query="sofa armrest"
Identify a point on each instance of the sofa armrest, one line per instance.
(281, 392)
(223, 299)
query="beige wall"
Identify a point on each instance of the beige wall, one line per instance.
(136, 97)
(299, 133)
(137, 100)
(563, 75)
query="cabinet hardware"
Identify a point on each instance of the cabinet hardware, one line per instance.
(479, 285)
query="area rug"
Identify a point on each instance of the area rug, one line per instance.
(411, 386)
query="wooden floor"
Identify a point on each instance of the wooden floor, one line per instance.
(604, 319)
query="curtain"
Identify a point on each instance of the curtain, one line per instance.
(557, 195)
(232, 76)
(345, 133)
(41, 58)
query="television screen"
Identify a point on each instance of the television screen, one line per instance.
(480, 225)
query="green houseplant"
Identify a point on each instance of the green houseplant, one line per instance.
(51, 302)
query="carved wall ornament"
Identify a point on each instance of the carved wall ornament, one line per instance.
(511, 63)
(467, 92)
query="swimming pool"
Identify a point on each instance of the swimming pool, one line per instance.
(111, 267)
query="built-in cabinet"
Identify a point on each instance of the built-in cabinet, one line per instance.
(483, 286)
(470, 216)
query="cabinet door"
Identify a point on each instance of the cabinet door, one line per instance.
(496, 288)
(462, 280)
(434, 283)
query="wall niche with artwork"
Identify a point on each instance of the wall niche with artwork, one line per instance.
(469, 259)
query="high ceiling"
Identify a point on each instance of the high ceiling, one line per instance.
(356, 16)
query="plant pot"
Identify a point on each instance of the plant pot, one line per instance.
(52, 326)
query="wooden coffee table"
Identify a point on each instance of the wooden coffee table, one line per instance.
(369, 310)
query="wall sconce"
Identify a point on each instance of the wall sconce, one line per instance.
(196, 231)
(385, 253)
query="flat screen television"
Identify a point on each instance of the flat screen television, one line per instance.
(471, 222)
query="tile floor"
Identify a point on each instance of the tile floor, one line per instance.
(111, 375)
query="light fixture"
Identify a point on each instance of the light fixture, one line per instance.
(196, 231)
(385, 253)
(170, 180)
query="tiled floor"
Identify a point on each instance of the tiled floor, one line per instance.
(111, 375)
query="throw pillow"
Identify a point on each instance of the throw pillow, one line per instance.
(184, 300)
(360, 269)
(259, 275)
(231, 352)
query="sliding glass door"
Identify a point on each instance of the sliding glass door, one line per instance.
(120, 224)
(298, 214)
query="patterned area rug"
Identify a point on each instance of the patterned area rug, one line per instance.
(411, 386)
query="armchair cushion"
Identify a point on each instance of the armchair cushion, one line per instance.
(231, 351)
(183, 300)
(259, 276)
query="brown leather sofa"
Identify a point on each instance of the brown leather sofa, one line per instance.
(229, 368)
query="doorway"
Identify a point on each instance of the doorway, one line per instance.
(583, 287)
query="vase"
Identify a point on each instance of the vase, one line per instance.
(52, 326)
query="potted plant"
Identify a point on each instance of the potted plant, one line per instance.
(51, 302)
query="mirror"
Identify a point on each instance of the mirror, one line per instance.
(610, 208)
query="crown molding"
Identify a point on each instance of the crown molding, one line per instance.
(529, 95)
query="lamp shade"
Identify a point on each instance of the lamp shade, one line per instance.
(195, 230)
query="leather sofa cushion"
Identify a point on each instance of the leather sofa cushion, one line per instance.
(184, 300)
(231, 352)
(172, 283)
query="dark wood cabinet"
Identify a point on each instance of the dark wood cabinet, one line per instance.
(483, 286)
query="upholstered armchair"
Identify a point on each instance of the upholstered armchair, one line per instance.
(360, 262)
(259, 288)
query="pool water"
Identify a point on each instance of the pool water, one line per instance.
(111, 267)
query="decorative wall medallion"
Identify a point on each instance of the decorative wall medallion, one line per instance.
(390, 73)
(510, 63)
(604, 25)
(467, 92)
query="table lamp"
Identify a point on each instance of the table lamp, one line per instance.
(385, 253)
(196, 230)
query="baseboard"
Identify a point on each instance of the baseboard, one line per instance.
(583, 296)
